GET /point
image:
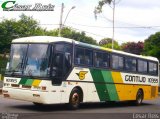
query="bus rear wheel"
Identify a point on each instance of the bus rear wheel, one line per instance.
(74, 100)
(139, 97)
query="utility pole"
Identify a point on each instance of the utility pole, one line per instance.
(60, 22)
(113, 24)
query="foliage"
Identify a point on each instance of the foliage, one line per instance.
(27, 26)
(152, 45)
(3, 62)
(101, 3)
(107, 43)
(72, 34)
(132, 47)
(11, 29)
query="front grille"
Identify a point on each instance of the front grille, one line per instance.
(15, 85)
(23, 86)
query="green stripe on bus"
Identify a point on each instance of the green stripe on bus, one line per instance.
(107, 75)
(105, 91)
(23, 81)
(101, 88)
(29, 82)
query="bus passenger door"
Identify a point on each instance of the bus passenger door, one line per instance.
(57, 69)
(61, 67)
(57, 76)
(67, 67)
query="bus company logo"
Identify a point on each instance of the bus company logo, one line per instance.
(82, 74)
(130, 78)
(11, 5)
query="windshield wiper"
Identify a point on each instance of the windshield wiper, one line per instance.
(12, 72)
(18, 71)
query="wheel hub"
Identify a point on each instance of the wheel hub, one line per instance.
(75, 98)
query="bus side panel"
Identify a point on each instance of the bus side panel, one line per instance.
(102, 85)
(128, 90)
(80, 77)
(154, 91)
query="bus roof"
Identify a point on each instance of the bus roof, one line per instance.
(40, 39)
(49, 39)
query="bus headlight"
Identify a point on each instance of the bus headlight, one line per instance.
(43, 88)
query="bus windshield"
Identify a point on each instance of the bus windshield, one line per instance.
(29, 60)
(17, 57)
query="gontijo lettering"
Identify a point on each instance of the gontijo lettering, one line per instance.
(130, 78)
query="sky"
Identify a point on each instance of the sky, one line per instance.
(135, 20)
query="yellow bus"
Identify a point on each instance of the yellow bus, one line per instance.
(50, 70)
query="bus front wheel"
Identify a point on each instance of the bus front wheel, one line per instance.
(139, 97)
(74, 100)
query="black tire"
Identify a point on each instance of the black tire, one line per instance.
(139, 97)
(112, 102)
(38, 104)
(74, 99)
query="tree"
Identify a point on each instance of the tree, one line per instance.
(72, 34)
(152, 45)
(107, 43)
(27, 26)
(11, 29)
(132, 47)
(101, 3)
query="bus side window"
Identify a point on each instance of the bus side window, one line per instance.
(98, 59)
(117, 62)
(130, 64)
(79, 56)
(153, 68)
(77, 60)
(105, 60)
(142, 66)
(101, 59)
(88, 57)
(67, 59)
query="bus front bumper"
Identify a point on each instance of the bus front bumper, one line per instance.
(26, 95)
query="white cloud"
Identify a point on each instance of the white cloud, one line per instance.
(142, 4)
